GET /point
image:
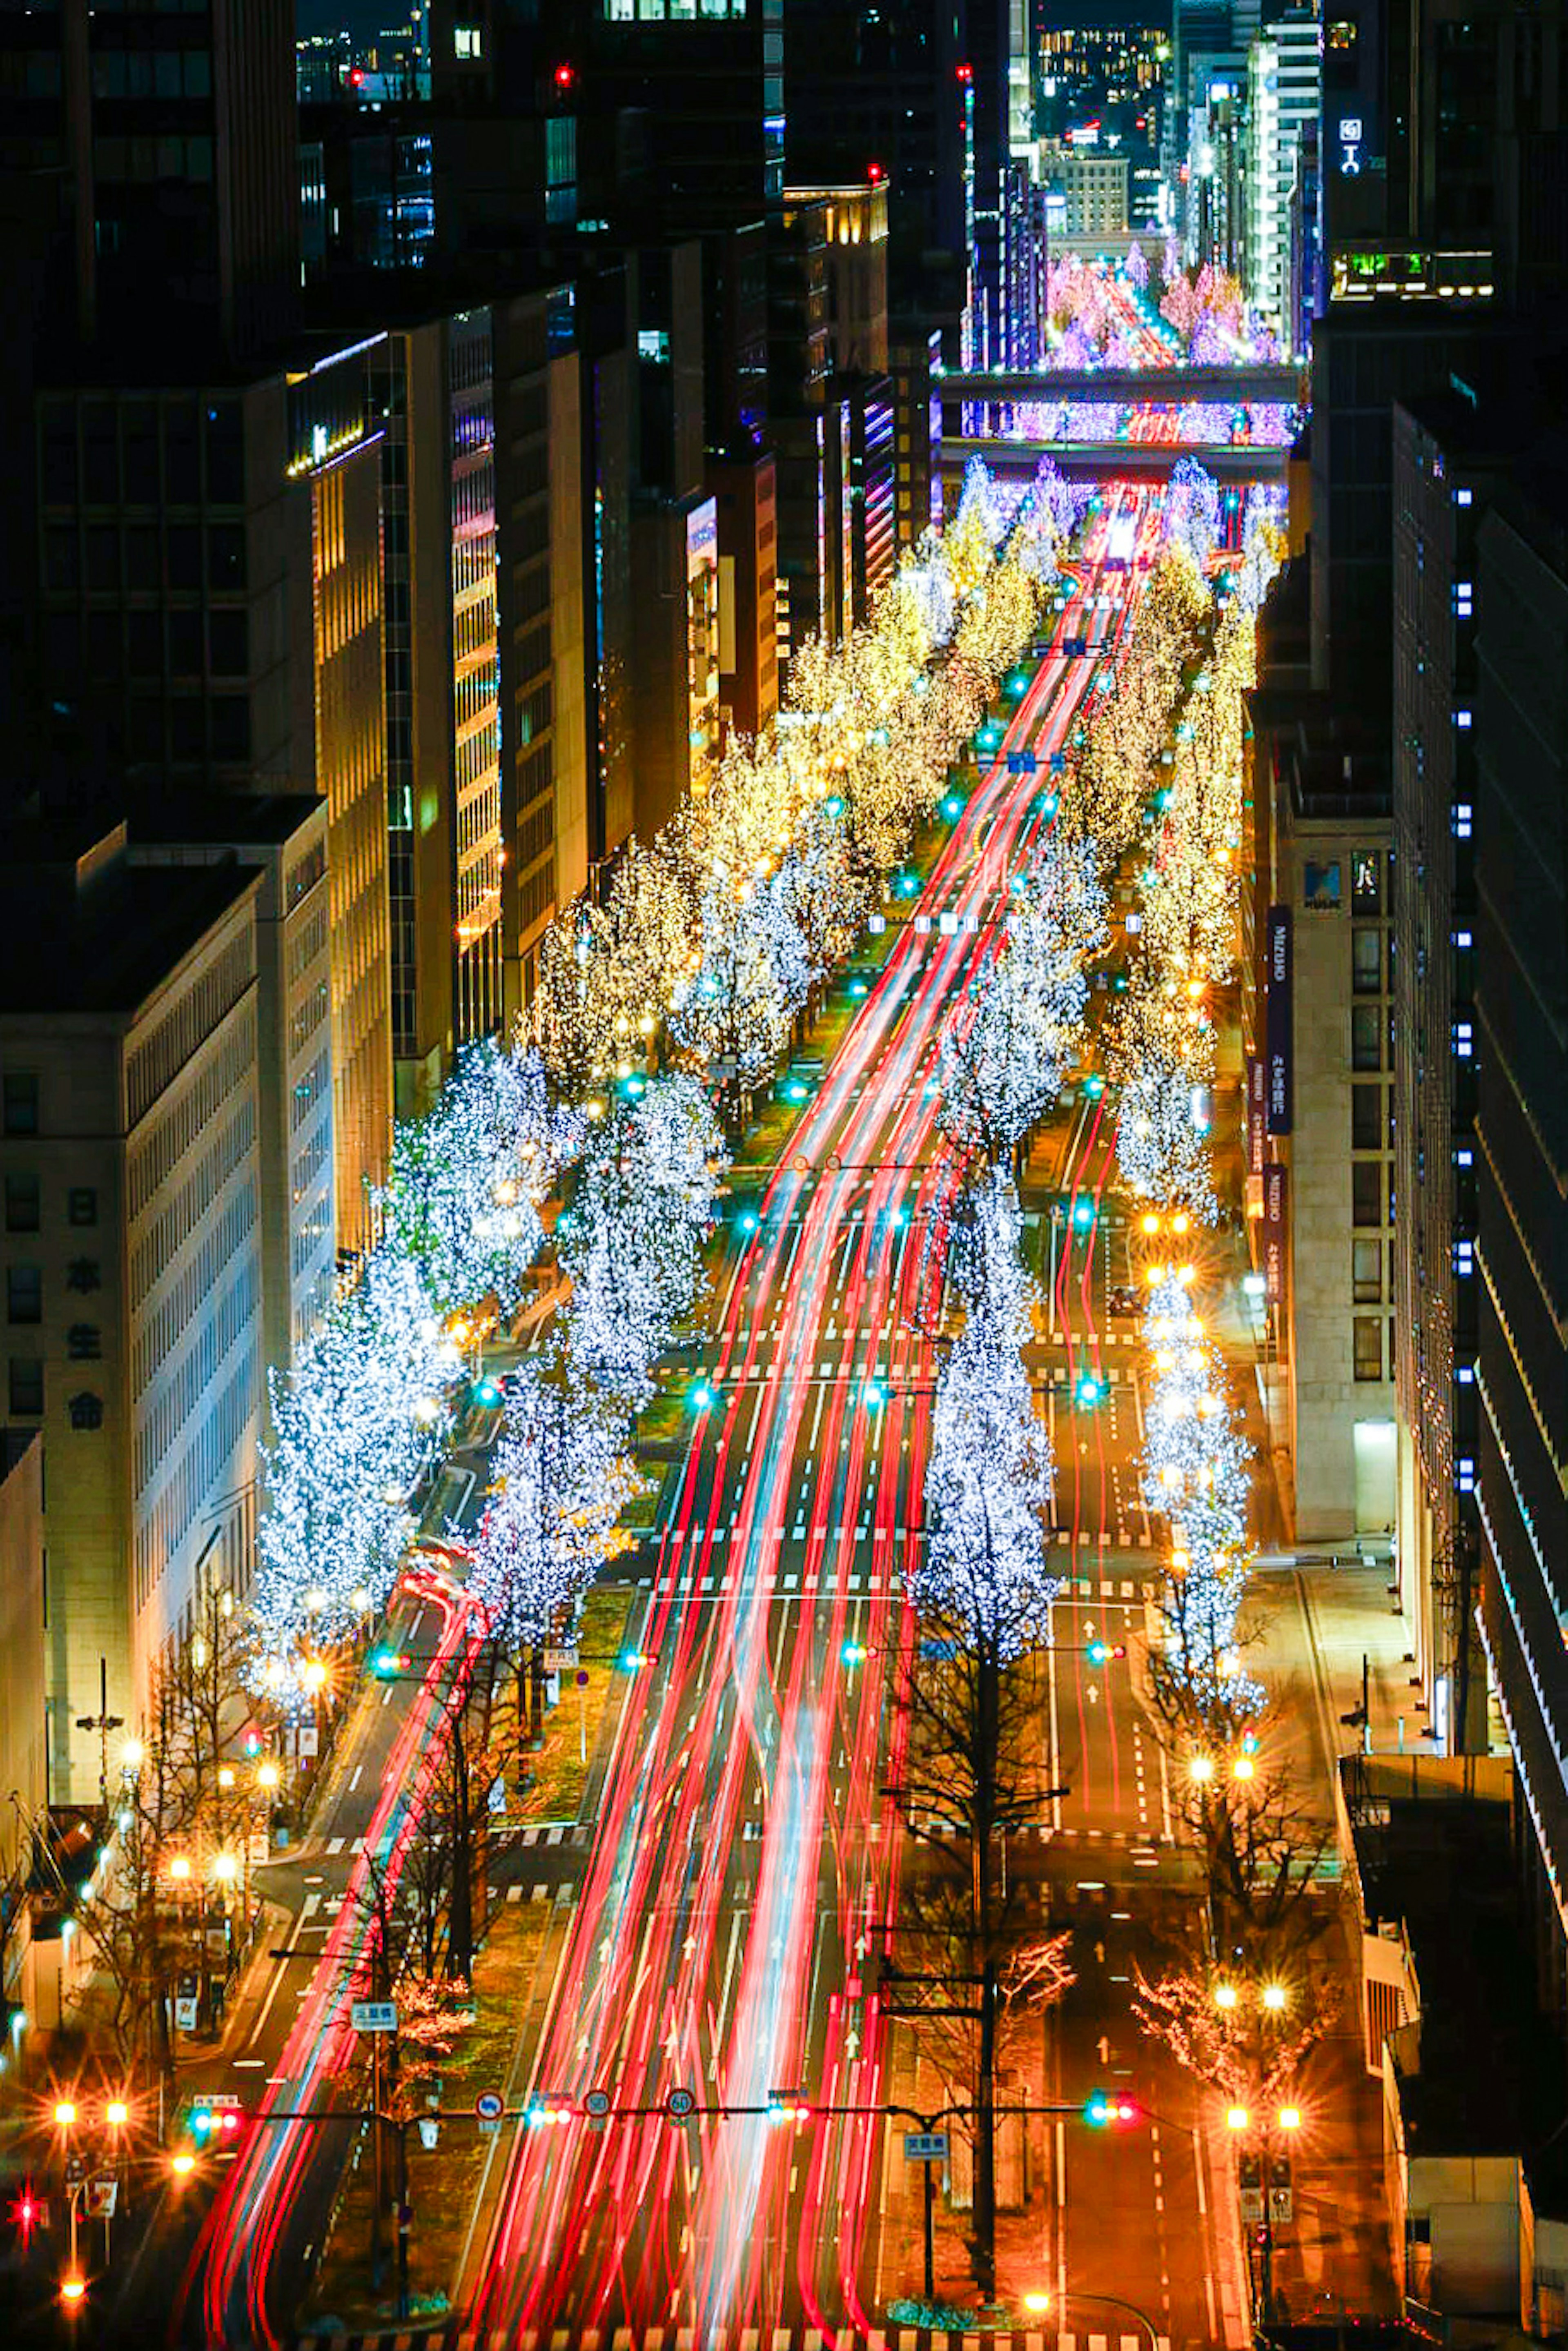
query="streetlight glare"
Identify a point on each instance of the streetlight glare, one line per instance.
(1202, 1767)
(1237, 2118)
(117, 2114)
(65, 2112)
(1289, 2118)
(1225, 1995)
(1274, 1996)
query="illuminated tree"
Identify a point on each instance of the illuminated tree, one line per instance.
(561, 1485)
(631, 1241)
(1010, 1040)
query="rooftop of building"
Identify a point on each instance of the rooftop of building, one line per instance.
(1434, 1852)
(217, 820)
(84, 931)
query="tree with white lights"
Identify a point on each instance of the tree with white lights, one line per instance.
(1011, 1038)
(1192, 512)
(984, 1592)
(358, 1420)
(631, 1241)
(462, 1204)
(561, 1485)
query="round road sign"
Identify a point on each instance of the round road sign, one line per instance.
(597, 2102)
(801, 1164)
(489, 2105)
(679, 2106)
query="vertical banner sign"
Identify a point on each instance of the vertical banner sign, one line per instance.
(1257, 1112)
(1274, 1234)
(1279, 1021)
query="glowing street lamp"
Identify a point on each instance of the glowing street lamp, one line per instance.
(1237, 2118)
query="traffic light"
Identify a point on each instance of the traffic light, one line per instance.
(702, 1396)
(1082, 1214)
(549, 2107)
(485, 1392)
(875, 1394)
(1100, 1652)
(1089, 1389)
(1107, 2107)
(787, 2107)
(1094, 1086)
(631, 1661)
(854, 1653)
(388, 1662)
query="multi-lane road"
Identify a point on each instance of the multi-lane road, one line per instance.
(744, 1854)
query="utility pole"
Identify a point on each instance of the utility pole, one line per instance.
(103, 1722)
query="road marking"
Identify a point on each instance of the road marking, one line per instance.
(354, 1780)
(335, 1845)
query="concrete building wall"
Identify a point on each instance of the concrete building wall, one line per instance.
(1341, 1177)
(147, 1336)
(573, 831)
(351, 775)
(24, 1748)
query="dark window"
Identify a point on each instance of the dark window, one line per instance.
(225, 555)
(81, 1205)
(181, 465)
(86, 1411)
(1366, 1192)
(225, 454)
(1366, 962)
(1366, 1038)
(185, 643)
(105, 646)
(84, 1343)
(101, 455)
(187, 733)
(21, 1102)
(184, 556)
(228, 643)
(26, 1387)
(102, 556)
(1368, 1346)
(1366, 1118)
(139, 437)
(231, 726)
(21, 1204)
(142, 568)
(146, 643)
(84, 1274)
(24, 1294)
(1366, 1272)
(61, 568)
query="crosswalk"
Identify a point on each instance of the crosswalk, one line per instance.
(746, 2338)
(717, 1584)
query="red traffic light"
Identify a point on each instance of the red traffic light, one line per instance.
(565, 75)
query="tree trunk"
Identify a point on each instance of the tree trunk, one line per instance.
(987, 1726)
(460, 1930)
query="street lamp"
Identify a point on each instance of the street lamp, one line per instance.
(1237, 2118)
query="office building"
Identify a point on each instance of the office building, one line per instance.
(210, 557)
(334, 464)
(1447, 461)
(1522, 1161)
(172, 136)
(282, 837)
(1216, 185)
(23, 1744)
(742, 486)
(131, 1155)
(545, 560)
(1092, 187)
(1284, 85)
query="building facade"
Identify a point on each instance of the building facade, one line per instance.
(132, 1110)
(282, 837)
(334, 466)
(1521, 1165)
(1438, 499)
(1284, 92)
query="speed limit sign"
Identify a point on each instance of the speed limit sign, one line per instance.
(801, 1164)
(680, 2106)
